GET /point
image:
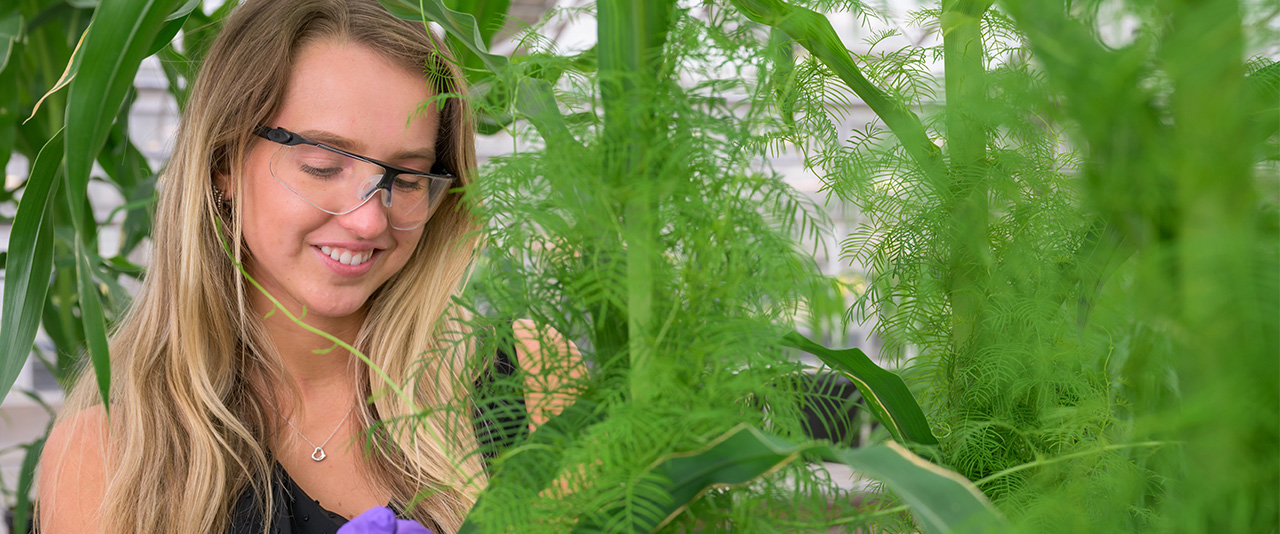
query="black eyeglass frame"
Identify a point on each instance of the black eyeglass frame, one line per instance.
(390, 171)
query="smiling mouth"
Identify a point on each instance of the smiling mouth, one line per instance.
(347, 257)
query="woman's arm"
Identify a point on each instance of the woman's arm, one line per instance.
(547, 394)
(72, 474)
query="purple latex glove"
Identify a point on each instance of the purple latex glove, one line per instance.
(382, 520)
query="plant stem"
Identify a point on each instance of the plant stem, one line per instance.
(1066, 457)
(966, 144)
(631, 37)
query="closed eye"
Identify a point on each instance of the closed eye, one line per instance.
(321, 172)
(412, 183)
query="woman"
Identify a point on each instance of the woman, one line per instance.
(306, 142)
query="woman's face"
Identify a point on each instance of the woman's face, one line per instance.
(348, 96)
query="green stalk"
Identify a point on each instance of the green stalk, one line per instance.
(967, 143)
(1218, 298)
(631, 37)
(1065, 457)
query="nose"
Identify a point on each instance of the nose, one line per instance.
(369, 220)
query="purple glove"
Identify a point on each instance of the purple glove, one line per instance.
(382, 520)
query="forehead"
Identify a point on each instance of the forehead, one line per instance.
(353, 92)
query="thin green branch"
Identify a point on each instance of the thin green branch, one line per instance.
(276, 305)
(1066, 457)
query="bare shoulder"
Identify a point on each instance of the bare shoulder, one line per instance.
(73, 474)
(554, 368)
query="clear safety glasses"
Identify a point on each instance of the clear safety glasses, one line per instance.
(338, 182)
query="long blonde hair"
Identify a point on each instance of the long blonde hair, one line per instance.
(187, 428)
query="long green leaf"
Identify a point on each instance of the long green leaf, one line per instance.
(172, 25)
(813, 31)
(461, 26)
(886, 394)
(28, 264)
(26, 476)
(489, 16)
(942, 501)
(536, 101)
(120, 37)
(534, 95)
(10, 30)
(95, 323)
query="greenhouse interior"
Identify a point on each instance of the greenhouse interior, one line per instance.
(882, 266)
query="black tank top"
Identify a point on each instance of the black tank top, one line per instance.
(500, 419)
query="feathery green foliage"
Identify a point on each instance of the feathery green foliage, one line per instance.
(1066, 292)
(1071, 236)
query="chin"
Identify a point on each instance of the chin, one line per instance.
(343, 308)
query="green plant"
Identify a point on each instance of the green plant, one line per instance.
(1068, 242)
(638, 215)
(1096, 234)
(54, 275)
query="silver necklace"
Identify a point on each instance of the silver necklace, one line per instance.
(317, 454)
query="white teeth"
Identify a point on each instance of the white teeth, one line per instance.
(346, 257)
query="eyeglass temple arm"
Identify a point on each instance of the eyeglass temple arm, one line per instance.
(280, 135)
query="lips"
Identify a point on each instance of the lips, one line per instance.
(347, 257)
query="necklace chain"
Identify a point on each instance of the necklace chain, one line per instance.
(317, 454)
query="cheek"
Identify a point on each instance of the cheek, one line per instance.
(275, 219)
(406, 243)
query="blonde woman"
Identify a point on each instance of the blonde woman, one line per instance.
(306, 142)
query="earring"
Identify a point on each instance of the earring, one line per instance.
(223, 205)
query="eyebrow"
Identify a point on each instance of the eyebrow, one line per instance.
(351, 145)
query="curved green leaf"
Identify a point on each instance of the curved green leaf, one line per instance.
(95, 323)
(28, 264)
(26, 477)
(813, 31)
(173, 24)
(490, 16)
(460, 26)
(942, 501)
(119, 38)
(10, 30)
(886, 394)
(536, 99)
